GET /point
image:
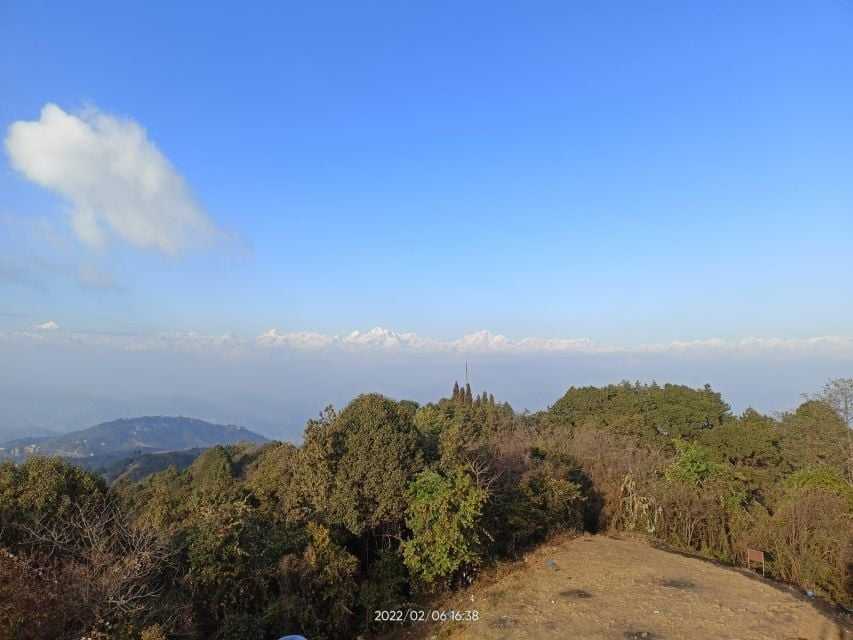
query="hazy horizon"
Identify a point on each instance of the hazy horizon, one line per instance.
(63, 381)
(214, 221)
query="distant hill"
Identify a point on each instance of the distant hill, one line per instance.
(135, 468)
(9, 434)
(112, 441)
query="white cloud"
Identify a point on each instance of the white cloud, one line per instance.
(381, 340)
(386, 339)
(818, 344)
(178, 341)
(116, 180)
(376, 338)
(295, 340)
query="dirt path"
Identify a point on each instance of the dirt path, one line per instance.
(596, 587)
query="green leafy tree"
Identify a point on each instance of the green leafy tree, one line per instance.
(385, 586)
(531, 497)
(809, 533)
(750, 443)
(231, 554)
(814, 434)
(752, 440)
(649, 412)
(47, 492)
(443, 516)
(212, 475)
(271, 479)
(694, 465)
(160, 501)
(318, 588)
(823, 477)
(461, 439)
(355, 466)
(430, 420)
(838, 394)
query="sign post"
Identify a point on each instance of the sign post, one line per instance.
(753, 555)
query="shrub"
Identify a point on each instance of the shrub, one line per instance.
(231, 556)
(385, 586)
(241, 627)
(693, 465)
(706, 519)
(696, 504)
(443, 515)
(32, 603)
(809, 537)
(823, 477)
(44, 492)
(318, 588)
(154, 632)
(606, 459)
(535, 494)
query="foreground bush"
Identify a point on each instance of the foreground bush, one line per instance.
(33, 603)
(809, 539)
(444, 517)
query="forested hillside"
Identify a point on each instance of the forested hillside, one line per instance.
(138, 467)
(109, 442)
(388, 504)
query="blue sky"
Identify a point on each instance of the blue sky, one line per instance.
(628, 173)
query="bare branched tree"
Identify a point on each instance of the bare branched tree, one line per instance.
(113, 567)
(838, 394)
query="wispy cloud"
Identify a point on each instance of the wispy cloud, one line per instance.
(12, 273)
(116, 180)
(90, 276)
(35, 272)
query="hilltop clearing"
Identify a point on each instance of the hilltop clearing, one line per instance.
(601, 588)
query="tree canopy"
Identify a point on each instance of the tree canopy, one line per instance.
(388, 502)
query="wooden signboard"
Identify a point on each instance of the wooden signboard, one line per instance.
(753, 555)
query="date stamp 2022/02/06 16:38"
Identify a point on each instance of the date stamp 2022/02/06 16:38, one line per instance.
(426, 615)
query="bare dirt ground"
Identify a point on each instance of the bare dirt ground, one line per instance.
(596, 587)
